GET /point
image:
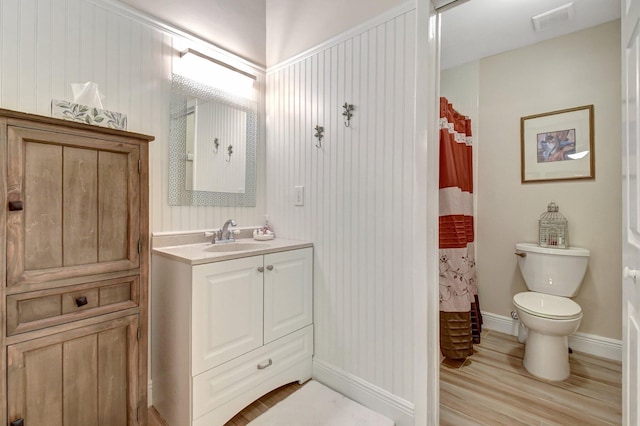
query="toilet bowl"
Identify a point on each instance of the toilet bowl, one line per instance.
(549, 321)
(546, 310)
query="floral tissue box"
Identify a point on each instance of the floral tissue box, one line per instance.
(88, 115)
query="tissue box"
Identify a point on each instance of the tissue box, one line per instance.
(88, 115)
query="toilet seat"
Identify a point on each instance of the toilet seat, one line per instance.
(547, 305)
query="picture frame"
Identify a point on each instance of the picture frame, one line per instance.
(558, 145)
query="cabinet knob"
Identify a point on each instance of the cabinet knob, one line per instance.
(270, 267)
(18, 422)
(263, 366)
(260, 269)
(15, 206)
(81, 301)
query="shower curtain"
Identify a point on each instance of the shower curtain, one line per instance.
(460, 320)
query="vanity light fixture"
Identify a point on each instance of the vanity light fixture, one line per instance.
(319, 134)
(214, 72)
(216, 61)
(348, 113)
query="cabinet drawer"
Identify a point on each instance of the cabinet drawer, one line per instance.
(245, 374)
(40, 309)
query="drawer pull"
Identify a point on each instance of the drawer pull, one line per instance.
(270, 267)
(81, 301)
(19, 422)
(15, 206)
(263, 366)
(260, 269)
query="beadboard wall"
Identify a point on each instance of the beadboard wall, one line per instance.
(45, 45)
(358, 196)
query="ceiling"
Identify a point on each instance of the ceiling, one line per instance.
(237, 26)
(479, 28)
(471, 30)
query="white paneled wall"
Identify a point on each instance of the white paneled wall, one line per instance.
(45, 45)
(358, 194)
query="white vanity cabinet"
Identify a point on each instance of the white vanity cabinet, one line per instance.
(225, 333)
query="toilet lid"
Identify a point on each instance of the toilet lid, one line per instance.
(547, 305)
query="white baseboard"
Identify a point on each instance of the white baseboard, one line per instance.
(499, 323)
(582, 342)
(365, 393)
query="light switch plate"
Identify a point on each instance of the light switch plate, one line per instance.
(299, 195)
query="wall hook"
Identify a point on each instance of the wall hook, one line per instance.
(348, 113)
(216, 144)
(230, 151)
(319, 134)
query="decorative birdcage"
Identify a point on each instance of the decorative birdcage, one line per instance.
(554, 228)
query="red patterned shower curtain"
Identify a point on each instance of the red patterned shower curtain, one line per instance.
(460, 320)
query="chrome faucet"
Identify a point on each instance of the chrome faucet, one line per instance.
(224, 235)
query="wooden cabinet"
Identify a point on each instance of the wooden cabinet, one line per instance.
(227, 332)
(75, 275)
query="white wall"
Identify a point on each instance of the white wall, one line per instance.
(294, 26)
(47, 44)
(359, 193)
(461, 86)
(578, 69)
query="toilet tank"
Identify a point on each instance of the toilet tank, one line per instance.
(552, 270)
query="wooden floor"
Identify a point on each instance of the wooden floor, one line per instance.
(493, 388)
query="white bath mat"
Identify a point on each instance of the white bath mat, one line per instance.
(316, 405)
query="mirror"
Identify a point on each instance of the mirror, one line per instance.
(212, 146)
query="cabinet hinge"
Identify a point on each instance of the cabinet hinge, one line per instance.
(139, 166)
(139, 333)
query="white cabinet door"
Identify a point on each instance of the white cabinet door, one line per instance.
(288, 289)
(227, 311)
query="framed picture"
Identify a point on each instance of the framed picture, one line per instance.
(558, 145)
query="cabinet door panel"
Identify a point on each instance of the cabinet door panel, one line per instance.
(287, 292)
(113, 208)
(227, 311)
(82, 376)
(43, 196)
(80, 367)
(80, 180)
(81, 206)
(113, 376)
(43, 386)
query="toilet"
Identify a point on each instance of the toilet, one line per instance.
(553, 276)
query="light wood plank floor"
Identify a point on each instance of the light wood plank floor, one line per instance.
(493, 388)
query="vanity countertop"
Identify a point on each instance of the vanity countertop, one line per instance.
(197, 254)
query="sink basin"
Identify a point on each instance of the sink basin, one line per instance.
(235, 247)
